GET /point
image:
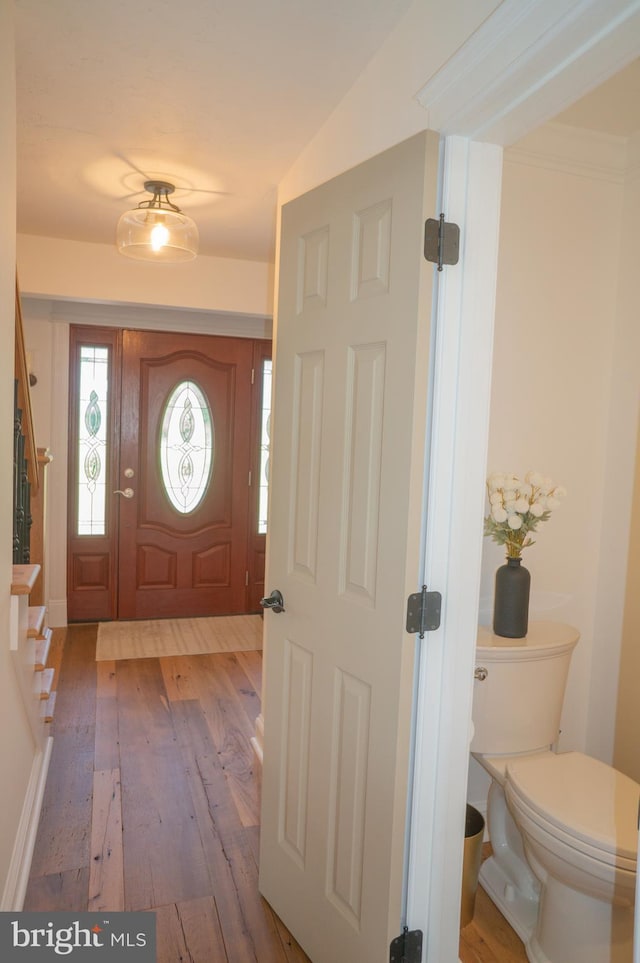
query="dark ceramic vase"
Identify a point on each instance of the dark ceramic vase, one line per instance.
(511, 600)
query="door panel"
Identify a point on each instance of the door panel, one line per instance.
(351, 379)
(192, 563)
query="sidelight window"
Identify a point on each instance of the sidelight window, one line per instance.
(265, 446)
(92, 440)
(186, 447)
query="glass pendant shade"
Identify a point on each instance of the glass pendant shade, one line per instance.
(157, 230)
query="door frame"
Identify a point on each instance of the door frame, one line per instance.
(105, 603)
(485, 97)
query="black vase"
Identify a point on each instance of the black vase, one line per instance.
(511, 600)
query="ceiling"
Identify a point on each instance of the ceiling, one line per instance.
(218, 97)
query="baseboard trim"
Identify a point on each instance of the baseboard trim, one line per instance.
(57, 613)
(18, 876)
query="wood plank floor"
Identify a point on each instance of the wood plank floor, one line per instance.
(489, 938)
(152, 802)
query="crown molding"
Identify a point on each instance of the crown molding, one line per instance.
(528, 61)
(573, 150)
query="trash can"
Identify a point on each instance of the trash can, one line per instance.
(473, 835)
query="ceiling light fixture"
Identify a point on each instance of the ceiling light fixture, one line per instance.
(157, 230)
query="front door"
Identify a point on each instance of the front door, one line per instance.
(184, 433)
(161, 494)
(350, 407)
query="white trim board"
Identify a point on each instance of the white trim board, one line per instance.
(527, 62)
(460, 424)
(20, 867)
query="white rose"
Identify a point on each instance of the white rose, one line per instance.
(514, 522)
(534, 478)
(537, 509)
(499, 515)
(495, 480)
(522, 505)
(496, 499)
(559, 491)
(526, 491)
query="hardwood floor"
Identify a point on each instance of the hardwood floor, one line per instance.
(489, 938)
(152, 803)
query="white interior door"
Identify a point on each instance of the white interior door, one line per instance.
(351, 375)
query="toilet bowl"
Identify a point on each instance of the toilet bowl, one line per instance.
(563, 826)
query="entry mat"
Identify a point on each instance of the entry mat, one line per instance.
(160, 637)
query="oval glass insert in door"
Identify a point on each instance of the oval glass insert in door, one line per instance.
(186, 446)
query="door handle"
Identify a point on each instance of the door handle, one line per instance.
(127, 493)
(275, 602)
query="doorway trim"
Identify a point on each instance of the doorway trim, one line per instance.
(487, 96)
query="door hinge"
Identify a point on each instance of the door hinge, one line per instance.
(441, 241)
(406, 948)
(423, 612)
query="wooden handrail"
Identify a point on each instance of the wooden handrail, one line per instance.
(24, 399)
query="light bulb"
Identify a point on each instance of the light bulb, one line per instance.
(159, 237)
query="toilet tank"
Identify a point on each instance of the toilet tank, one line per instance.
(518, 703)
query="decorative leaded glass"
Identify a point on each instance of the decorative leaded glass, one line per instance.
(186, 446)
(92, 440)
(265, 446)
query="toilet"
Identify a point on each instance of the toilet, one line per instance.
(563, 826)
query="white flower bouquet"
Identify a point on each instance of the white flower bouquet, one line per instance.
(518, 507)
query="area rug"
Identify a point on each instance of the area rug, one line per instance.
(159, 637)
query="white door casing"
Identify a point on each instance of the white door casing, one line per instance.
(352, 361)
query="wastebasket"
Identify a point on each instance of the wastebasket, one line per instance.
(473, 835)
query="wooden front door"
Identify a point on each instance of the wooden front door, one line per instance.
(176, 474)
(350, 406)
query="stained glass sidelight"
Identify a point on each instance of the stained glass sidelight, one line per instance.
(186, 446)
(265, 445)
(92, 440)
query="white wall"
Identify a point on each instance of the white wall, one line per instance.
(565, 399)
(381, 108)
(77, 271)
(17, 746)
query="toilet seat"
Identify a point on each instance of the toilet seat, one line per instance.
(580, 801)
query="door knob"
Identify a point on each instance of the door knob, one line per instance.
(275, 602)
(127, 493)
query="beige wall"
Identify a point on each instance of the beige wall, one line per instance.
(382, 109)
(565, 401)
(77, 271)
(17, 748)
(565, 397)
(627, 751)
